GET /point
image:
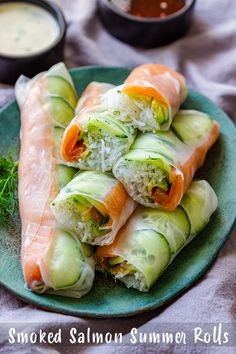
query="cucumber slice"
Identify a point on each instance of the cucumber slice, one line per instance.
(110, 125)
(173, 225)
(149, 252)
(81, 202)
(165, 144)
(148, 157)
(60, 110)
(115, 260)
(199, 202)
(153, 141)
(191, 126)
(60, 69)
(64, 174)
(56, 85)
(66, 261)
(86, 183)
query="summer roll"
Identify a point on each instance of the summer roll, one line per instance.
(52, 258)
(149, 98)
(152, 238)
(160, 166)
(94, 206)
(95, 140)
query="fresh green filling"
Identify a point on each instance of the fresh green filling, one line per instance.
(142, 185)
(127, 273)
(118, 265)
(96, 228)
(151, 110)
(160, 112)
(102, 150)
(87, 249)
(142, 112)
(77, 214)
(112, 261)
(112, 126)
(163, 184)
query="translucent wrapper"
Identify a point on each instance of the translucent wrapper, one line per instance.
(94, 206)
(47, 249)
(199, 202)
(95, 139)
(150, 97)
(152, 238)
(160, 166)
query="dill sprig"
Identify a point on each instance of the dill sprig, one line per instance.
(8, 188)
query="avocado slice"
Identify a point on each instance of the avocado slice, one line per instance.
(87, 249)
(115, 260)
(160, 112)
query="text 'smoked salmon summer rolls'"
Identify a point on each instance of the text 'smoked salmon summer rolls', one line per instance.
(149, 98)
(152, 238)
(160, 166)
(52, 258)
(94, 205)
(95, 139)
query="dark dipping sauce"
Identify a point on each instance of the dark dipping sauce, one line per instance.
(156, 8)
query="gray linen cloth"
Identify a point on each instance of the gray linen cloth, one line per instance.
(207, 57)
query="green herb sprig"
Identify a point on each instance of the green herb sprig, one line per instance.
(8, 188)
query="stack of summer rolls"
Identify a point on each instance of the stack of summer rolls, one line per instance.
(112, 177)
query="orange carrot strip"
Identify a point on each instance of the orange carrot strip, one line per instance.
(71, 148)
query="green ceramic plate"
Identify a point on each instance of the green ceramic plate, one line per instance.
(107, 298)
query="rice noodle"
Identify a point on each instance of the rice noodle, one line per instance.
(71, 218)
(136, 184)
(130, 275)
(134, 280)
(137, 111)
(104, 151)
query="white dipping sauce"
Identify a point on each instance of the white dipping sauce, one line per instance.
(26, 29)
